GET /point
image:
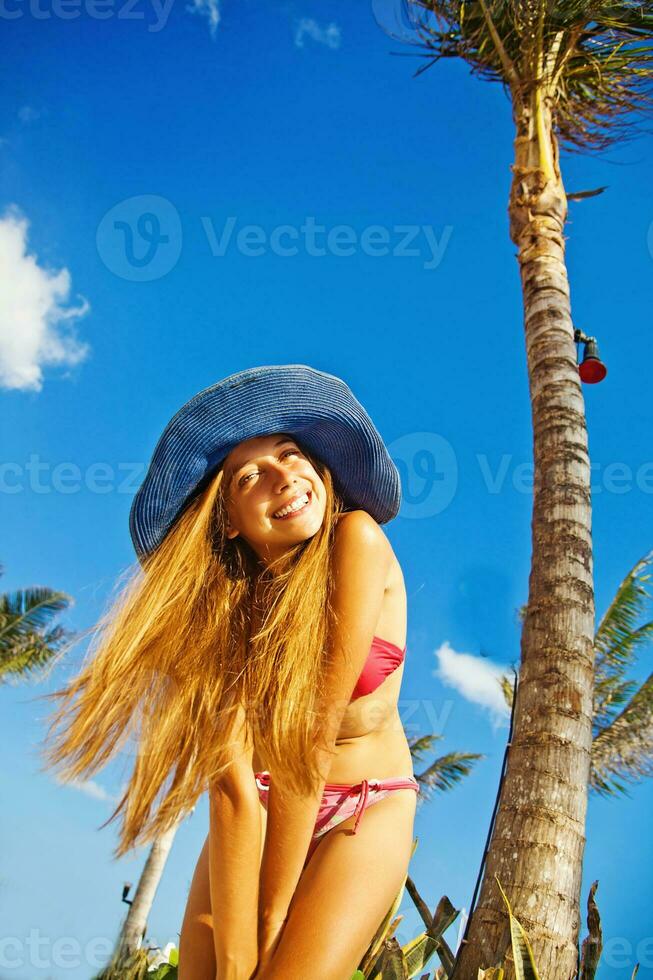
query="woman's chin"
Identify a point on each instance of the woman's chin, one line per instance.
(296, 532)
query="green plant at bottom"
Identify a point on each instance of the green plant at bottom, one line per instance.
(522, 953)
(131, 967)
(144, 964)
(404, 963)
(163, 966)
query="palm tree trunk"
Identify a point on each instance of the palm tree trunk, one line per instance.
(135, 923)
(537, 843)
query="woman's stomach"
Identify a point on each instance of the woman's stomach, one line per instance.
(372, 743)
(379, 754)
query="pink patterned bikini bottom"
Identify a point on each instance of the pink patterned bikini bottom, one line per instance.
(343, 800)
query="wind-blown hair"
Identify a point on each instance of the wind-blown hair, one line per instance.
(174, 656)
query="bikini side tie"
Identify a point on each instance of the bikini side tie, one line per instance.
(362, 801)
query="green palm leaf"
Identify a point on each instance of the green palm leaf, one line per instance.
(617, 641)
(507, 687)
(27, 611)
(592, 61)
(445, 772)
(523, 960)
(622, 747)
(30, 654)
(27, 641)
(623, 750)
(421, 745)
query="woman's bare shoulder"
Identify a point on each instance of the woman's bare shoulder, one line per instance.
(358, 534)
(360, 523)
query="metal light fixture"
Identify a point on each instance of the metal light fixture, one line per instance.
(591, 368)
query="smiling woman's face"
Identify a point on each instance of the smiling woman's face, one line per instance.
(262, 476)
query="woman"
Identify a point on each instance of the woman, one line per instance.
(262, 652)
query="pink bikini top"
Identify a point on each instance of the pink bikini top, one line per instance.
(384, 658)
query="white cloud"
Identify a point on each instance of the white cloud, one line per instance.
(87, 786)
(322, 35)
(209, 9)
(476, 678)
(36, 328)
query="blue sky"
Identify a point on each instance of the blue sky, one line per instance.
(224, 124)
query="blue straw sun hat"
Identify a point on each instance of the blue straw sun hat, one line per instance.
(318, 408)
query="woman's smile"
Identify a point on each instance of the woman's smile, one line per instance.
(306, 497)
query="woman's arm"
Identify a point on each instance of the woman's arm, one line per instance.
(234, 861)
(360, 562)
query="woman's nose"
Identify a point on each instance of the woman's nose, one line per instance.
(282, 477)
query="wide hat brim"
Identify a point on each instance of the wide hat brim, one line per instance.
(317, 407)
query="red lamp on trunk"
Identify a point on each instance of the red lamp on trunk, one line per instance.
(591, 368)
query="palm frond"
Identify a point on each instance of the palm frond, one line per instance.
(507, 687)
(31, 653)
(613, 640)
(445, 772)
(27, 641)
(591, 61)
(29, 610)
(622, 751)
(421, 745)
(616, 643)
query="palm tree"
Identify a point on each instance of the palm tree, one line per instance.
(135, 923)
(27, 643)
(572, 70)
(622, 743)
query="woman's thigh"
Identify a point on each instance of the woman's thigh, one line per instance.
(196, 949)
(196, 952)
(345, 891)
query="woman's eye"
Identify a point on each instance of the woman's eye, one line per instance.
(245, 479)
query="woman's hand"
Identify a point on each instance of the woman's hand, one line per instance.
(269, 934)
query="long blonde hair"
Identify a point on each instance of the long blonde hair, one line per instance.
(174, 656)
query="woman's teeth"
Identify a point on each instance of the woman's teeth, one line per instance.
(298, 504)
